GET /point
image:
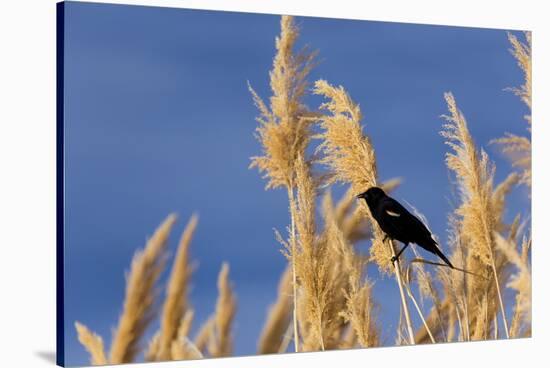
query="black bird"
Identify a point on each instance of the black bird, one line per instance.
(400, 224)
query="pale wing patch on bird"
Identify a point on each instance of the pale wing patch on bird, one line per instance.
(391, 213)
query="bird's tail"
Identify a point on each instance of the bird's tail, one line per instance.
(442, 256)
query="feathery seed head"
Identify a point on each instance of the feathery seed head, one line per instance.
(347, 152)
(474, 174)
(284, 130)
(146, 268)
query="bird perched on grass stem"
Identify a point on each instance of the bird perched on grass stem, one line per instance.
(399, 224)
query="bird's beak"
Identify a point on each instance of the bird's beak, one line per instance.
(362, 195)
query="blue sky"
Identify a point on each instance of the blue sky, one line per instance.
(158, 119)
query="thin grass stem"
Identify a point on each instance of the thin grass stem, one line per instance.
(402, 295)
(293, 261)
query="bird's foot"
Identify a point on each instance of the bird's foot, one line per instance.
(393, 259)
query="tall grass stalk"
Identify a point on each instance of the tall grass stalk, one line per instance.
(474, 173)
(397, 268)
(357, 307)
(351, 159)
(312, 259)
(176, 302)
(292, 241)
(284, 130)
(420, 314)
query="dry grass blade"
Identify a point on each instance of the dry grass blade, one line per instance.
(519, 149)
(185, 324)
(426, 288)
(180, 346)
(183, 349)
(425, 281)
(474, 174)
(204, 334)
(419, 311)
(221, 340)
(152, 350)
(354, 303)
(93, 344)
(460, 288)
(515, 146)
(522, 53)
(438, 315)
(360, 312)
(138, 304)
(278, 318)
(175, 303)
(499, 198)
(311, 256)
(520, 281)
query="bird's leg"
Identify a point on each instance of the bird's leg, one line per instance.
(396, 257)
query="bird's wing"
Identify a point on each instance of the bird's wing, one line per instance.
(409, 227)
(402, 220)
